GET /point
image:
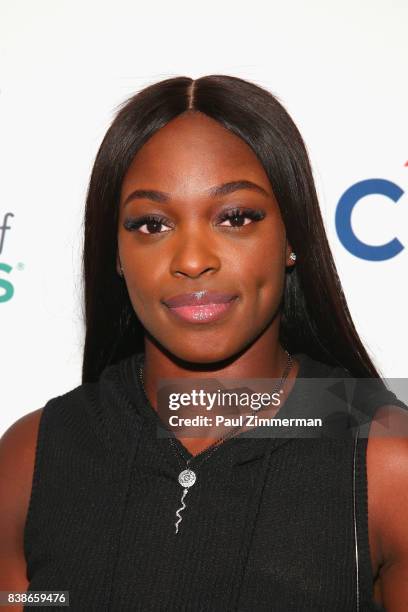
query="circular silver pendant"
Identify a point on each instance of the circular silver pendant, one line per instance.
(187, 478)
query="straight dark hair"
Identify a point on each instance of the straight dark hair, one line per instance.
(315, 316)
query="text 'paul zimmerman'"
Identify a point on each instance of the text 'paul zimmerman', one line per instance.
(243, 420)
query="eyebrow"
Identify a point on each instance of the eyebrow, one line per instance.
(218, 190)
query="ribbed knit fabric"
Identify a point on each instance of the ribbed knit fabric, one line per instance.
(268, 525)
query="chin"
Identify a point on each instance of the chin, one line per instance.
(199, 353)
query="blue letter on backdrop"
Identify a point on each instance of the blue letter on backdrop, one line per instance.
(343, 219)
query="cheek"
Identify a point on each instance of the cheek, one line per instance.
(144, 280)
(263, 267)
(270, 284)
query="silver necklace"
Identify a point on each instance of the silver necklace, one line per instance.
(187, 477)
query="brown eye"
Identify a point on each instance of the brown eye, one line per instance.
(239, 217)
(237, 220)
(150, 222)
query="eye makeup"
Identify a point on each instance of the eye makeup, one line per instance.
(235, 215)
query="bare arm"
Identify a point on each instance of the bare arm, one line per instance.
(387, 473)
(17, 455)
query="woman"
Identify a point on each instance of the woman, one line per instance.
(205, 255)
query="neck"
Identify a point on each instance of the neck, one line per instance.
(256, 362)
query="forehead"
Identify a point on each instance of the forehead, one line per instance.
(192, 153)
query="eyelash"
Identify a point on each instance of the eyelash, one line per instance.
(241, 213)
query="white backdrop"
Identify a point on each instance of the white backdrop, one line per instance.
(340, 68)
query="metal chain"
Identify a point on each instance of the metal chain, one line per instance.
(213, 447)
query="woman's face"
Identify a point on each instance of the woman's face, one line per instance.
(195, 242)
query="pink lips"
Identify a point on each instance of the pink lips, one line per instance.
(200, 306)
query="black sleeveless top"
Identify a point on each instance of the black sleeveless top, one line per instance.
(272, 524)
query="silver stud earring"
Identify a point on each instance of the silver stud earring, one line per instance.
(121, 271)
(292, 256)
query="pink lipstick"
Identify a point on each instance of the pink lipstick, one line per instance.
(200, 306)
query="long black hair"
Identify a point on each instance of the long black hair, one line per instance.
(315, 316)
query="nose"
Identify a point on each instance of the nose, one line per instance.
(194, 254)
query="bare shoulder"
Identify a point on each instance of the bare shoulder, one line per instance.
(387, 478)
(17, 450)
(17, 457)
